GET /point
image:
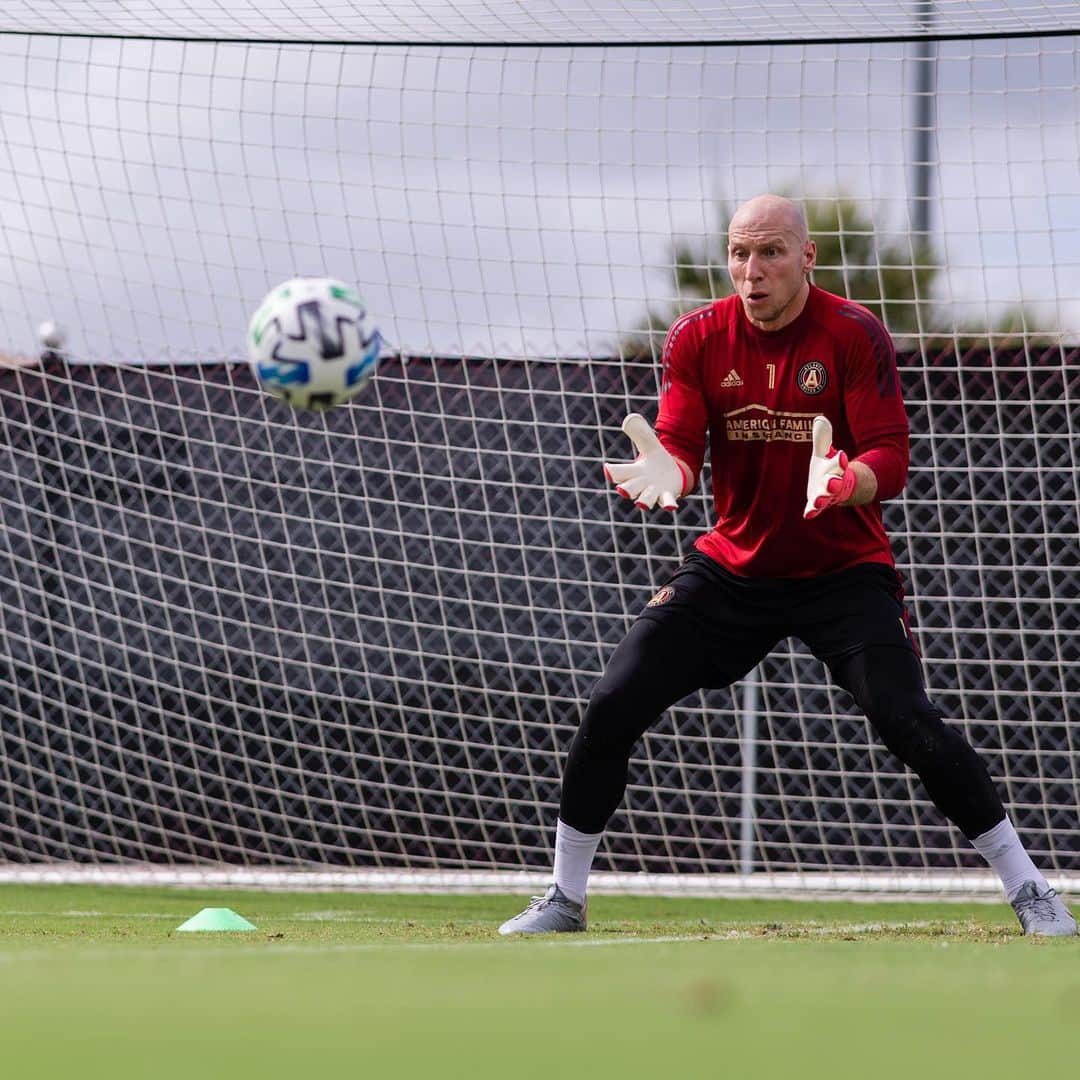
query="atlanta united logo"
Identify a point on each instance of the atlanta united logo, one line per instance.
(812, 378)
(662, 597)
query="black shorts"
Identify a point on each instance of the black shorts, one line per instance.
(732, 623)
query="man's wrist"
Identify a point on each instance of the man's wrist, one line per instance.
(866, 485)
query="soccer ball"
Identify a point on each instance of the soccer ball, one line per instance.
(312, 344)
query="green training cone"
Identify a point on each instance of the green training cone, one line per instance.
(217, 918)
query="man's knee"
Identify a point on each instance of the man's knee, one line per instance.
(615, 718)
(610, 725)
(653, 667)
(911, 728)
(887, 686)
(910, 725)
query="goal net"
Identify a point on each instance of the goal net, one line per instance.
(360, 642)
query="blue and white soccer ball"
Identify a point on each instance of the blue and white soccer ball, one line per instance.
(312, 343)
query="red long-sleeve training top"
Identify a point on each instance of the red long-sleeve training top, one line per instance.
(755, 394)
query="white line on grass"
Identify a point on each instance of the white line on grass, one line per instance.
(280, 916)
(559, 941)
(695, 932)
(14, 913)
(577, 941)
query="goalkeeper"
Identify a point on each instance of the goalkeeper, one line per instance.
(774, 376)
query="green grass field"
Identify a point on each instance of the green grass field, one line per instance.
(95, 982)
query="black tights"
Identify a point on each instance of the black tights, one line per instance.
(648, 673)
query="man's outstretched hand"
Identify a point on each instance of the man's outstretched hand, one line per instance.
(832, 479)
(654, 476)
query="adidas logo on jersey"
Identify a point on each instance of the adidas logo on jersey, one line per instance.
(731, 379)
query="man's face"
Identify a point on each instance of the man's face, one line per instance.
(768, 261)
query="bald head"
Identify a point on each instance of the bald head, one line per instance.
(772, 213)
(770, 254)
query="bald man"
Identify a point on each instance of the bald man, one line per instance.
(772, 376)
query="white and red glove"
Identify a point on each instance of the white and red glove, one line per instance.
(654, 475)
(832, 479)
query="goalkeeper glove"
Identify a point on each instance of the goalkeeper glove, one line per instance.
(832, 479)
(654, 475)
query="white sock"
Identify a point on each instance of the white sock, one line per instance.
(574, 852)
(1002, 849)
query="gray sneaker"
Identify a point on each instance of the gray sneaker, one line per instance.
(1042, 913)
(552, 913)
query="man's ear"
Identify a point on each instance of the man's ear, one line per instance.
(809, 256)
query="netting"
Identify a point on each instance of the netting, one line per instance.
(543, 22)
(233, 633)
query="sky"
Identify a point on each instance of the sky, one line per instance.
(496, 200)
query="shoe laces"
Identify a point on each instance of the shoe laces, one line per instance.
(1041, 905)
(552, 896)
